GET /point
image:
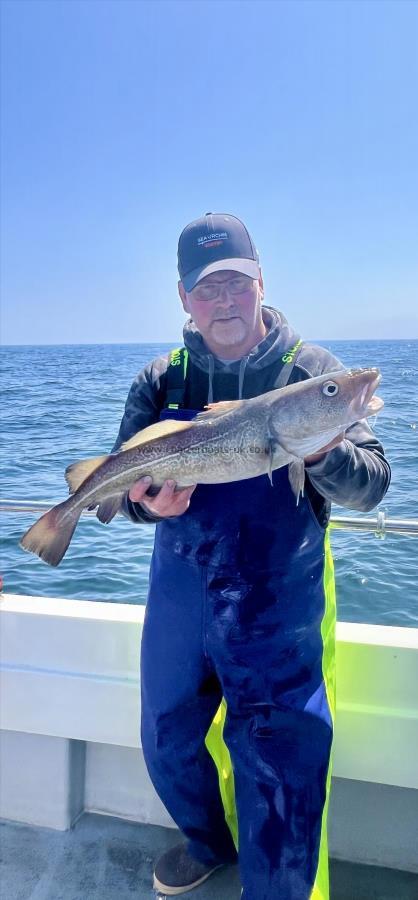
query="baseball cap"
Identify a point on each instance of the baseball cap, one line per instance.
(214, 242)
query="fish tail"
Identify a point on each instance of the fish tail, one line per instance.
(50, 536)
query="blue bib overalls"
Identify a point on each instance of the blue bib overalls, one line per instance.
(241, 606)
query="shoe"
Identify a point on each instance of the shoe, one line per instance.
(177, 872)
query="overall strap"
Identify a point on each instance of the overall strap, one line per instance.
(176, 378)
(288, 361)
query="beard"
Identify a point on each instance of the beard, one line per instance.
(229, 331)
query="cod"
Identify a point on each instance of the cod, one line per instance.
(228, 441)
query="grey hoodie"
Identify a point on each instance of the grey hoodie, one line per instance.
(355, 474)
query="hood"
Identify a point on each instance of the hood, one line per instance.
(280, 338)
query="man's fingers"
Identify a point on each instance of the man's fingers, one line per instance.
(140, 488)
(181, 499)
(168, 502)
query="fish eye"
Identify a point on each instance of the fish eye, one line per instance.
(330, 388)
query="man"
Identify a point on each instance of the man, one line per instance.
(241, 602)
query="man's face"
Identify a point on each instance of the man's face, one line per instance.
(226, 308)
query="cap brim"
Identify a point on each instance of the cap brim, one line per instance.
(248, 267)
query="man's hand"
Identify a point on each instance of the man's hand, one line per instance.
(315, 457)
(168, 502)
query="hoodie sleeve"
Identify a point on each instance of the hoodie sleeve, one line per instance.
(355, 473)
(142, 408)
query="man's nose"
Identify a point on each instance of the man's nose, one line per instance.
(225, 294)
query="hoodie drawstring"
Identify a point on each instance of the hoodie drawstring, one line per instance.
(242, 366)
(211, 362)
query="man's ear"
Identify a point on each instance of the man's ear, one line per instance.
(183, 297)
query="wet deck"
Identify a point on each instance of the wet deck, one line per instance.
(104, 858)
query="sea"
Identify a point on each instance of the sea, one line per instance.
(64, 403)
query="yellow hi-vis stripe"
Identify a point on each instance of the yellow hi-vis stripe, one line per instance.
(320, 889)
(221, 757)
(220, 753)
(178, 354)
(175, 360)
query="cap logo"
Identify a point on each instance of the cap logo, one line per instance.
(208, 239)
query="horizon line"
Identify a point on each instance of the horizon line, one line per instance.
(176, 342)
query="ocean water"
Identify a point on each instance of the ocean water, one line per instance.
(64, 403)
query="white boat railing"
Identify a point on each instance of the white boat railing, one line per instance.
(380, 524)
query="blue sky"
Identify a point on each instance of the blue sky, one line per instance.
(123, 121)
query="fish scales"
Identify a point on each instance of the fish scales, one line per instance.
(189, 457)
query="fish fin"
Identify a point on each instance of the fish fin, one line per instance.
(212, 410)
(77, 472)
(50, 536)
(108, 508)
(272, 447)
(159, 429)
(297, 477)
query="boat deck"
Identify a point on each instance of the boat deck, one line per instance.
(105, 858)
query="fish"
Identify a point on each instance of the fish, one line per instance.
(228, 441)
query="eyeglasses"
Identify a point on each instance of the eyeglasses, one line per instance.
(211, 290)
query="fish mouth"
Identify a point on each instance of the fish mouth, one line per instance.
(375, 405)
(366, 404)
